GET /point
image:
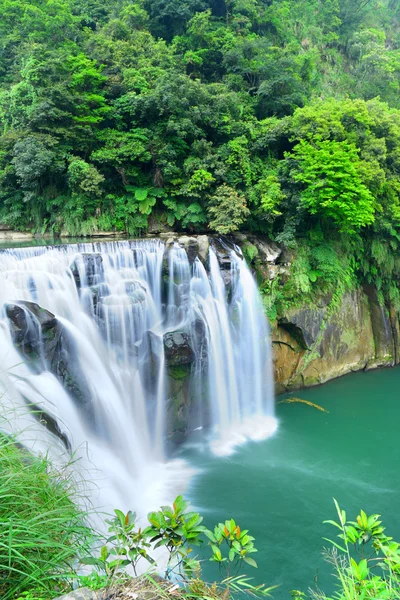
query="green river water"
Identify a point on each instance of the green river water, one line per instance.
(282, 489)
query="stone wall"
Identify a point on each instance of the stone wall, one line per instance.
(313, 344)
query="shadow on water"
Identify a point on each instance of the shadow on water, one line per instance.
(282, 489)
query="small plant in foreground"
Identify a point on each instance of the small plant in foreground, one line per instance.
(177, 530)
(237, 543)
(366, 561)
(128, 546)
(94, 581)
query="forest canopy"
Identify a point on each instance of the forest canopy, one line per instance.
(280, 117)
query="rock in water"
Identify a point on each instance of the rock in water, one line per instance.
(178, 350)
(35, 330)
(88, 269)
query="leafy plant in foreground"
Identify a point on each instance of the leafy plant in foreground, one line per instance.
(128, 546)
(237, 543)
(176, 529)
(366, 561)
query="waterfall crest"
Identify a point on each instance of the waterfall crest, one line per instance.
(122, 349)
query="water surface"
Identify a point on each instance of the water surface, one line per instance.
(282, 489)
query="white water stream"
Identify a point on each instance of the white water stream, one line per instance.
(114, 303)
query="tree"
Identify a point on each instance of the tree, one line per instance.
(331, 184)
(227, 210)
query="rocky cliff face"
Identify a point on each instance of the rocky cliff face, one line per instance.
(312, 344)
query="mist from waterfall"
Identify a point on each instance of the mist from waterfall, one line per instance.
(105, 391)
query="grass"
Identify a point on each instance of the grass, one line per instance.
(42, 531)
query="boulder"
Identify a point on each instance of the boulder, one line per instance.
(35, 331)
(204, 247)
(45, 345)
(191, 245)
(178, 349)
(89, 267)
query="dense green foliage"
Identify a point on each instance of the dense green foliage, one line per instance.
(280, 117)
(41, 529)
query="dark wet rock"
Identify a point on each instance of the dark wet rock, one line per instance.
(65, 366)
(92, 296)
(46, 345)
(92, 266)
(17, 314)
(177, 348)
(382, 329)
(35, 331)
(136, 290)
(223, 256)
(303, 325)
(50, 423)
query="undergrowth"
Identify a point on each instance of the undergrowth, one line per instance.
(41, 529)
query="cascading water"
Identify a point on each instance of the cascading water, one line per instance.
(91, 337)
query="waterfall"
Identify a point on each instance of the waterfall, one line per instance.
(119, 350)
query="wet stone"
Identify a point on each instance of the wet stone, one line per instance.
(178, 350)
(93, 268)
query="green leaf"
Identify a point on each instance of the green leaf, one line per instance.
(141, 194)
(335, 544)
(250, 561)
(329, 522)
(210, 535)
(120, 516)
(104, 553)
